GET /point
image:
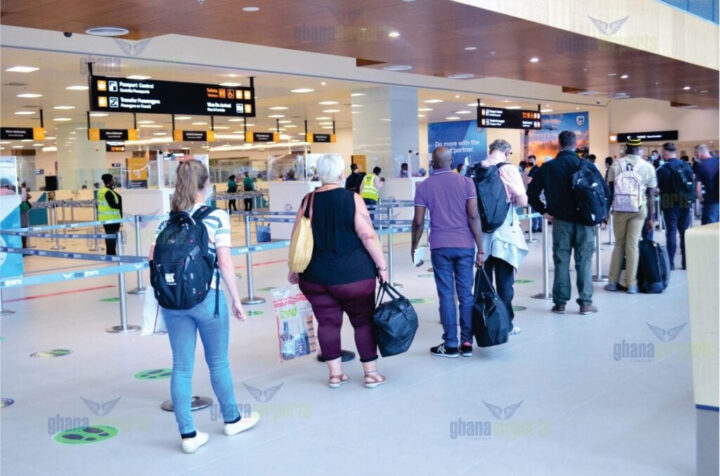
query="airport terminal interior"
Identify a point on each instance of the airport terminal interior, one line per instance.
(268, 91)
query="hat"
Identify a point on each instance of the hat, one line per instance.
(633, 142)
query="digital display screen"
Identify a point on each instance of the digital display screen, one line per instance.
(499, 118)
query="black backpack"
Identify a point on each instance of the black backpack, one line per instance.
(492, 201)
(683, 188)
(183, 266)
(588, 189)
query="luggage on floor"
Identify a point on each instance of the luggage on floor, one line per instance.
(653, 272)
(394, 322)
(490, 319)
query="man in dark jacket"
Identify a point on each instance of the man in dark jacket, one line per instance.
(555, 179)
(354, 180)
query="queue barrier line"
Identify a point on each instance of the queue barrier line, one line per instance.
(39, 234)
(86, 224)
(16, 281)
(72, 255)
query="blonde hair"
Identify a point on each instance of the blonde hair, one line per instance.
(191, 178)
(330, 168)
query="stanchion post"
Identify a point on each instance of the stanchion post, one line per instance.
(598, 277)
(3, 311)
(55, 231)
(611, 233)
(251, 299)
(138, 250)
(123, 328)
(72, 212)
(530, 227)
(546, 294)
(97, 232)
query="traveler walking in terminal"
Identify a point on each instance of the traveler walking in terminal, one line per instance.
(633, 184)
(346, 260)
(569, 235)
(455, 232)
(248, 186)
(232, 188)
(677, 195)
(505, 248)
(370, 189)
(608, 164)
(353, 181)
(192, 190)
(706, 176)
(531, 172)
(109, 206)
(404, 170)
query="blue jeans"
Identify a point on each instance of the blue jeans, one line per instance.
(568, 237)
(453, 269)
(183, 326)
(676, 220)
(709, 213)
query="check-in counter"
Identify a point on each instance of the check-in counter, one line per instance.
(286, 197)
(702, 246)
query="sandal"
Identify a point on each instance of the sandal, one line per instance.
(374, 379)
(337, 381)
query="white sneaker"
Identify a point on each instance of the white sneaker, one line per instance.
(191, 445)
(245, 423)
(515, 331)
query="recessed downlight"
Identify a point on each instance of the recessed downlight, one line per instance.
(251, 9)
(546, 110)
(107, 31)
(424, 109)
(77, 87)
(624, 76)
(687, 88)
(276, 116)
(514, 107)
(277, 108)
(452, 118)
(138, 77)
(397, 67)
(330, 111)
(22, 69)
(328, 103)
(534, 59)
(302, 90)
(199, 123)
(470, 48)
(25, 113)
(323, 118)
(146, 122)
(29, 95)
(184, 118)
(432, 101)
(64, 108)
(357, 94)
(62, 119)
(230, 85)
(394, 34)
(461, 76)
(463, 112)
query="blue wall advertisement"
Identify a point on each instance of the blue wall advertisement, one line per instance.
(467, 144)
(543, 143)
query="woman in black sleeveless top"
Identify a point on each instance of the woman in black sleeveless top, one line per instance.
(347, 258)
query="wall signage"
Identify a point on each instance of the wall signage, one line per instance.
(20, 133)
(495, 117)
(649, 136)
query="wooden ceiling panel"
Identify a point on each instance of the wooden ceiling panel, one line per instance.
(433, 37)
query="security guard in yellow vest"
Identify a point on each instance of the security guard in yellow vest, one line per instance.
(370, 188)
(109, 206)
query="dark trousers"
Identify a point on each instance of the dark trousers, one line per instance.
(248, 204)
(676, 220)
(567, 238)
(232, 205)
(111, 243)
(329, 302)
(371, 204)
(502, 275)
(709, 213)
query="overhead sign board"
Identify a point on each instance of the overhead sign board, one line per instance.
(648, 136)
(112, 135)
(262, 137)
(321, 138)
(22, 133)
(193, 136)
(170, 97)
(499, 118)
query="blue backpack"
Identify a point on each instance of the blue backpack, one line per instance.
(183, 266)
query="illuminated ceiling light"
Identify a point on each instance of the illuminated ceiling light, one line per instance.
(138, 77)
(26, 140)
(276, 116)
(326, 127)
(234, 119)
(513, 107)
(302, 90)
(184, 118)
(323, 83)
(77, 87)
(29, 95)
(199, 123)
(463, 112)
(470, 48)
(50, 138)
(432, 101)
(251, 9)
(146, 122)
(452, 118)
(330, 111)
(624, 76)
(160, 133)
(230, 85)
(357, 94)
(612, 74)
(22, 69)
(38, 145)
(356, 105)
(394, 34)
(328, 103)
(278, 108)
(285, 121)
(323, 118)
(424, 109)
(25, 113)
(62, 119)
(290, 126)
(546, 110)
(107, 31)
(151, 126)
(64, 108)
(354, 112)
(18, 147)
(687, 88)
(534, 59)
(397, 67)
(421, 115)
(221, 128)
(461, 76)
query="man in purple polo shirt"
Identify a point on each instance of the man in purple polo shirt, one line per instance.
(455, 232)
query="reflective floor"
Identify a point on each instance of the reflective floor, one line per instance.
(609, 393)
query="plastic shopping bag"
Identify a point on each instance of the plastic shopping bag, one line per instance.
(294, 315)
(153, 322)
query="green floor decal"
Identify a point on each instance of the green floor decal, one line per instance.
(153, 374)
(265, 290)
(421, 301)
(426, 275)
(6, 402)
(110, 299)
(254, 313)
(48, 354)
(85, 435)
(524, 281)
(519, 308)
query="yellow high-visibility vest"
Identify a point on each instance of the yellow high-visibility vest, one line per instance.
(105, 212)
(368, 188)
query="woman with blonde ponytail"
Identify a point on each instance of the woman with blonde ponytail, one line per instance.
(192, 191)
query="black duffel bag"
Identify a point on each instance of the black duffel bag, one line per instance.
(490, 318)
(394, 322)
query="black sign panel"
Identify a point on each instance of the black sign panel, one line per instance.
(16, 133)
(114, 134)
(649, 136)
(498, 118)
(263, 137)
(194, 136)
(322, 137)
(170, 97)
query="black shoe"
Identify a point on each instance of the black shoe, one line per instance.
(558, 309)
(466, 349)
(442, 351)
(346, 356)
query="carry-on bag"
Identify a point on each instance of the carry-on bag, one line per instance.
(490, 318)
(653, 273)
(394, 322)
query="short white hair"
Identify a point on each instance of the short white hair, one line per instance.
(330, 168)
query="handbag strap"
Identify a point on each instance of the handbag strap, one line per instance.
(482, 282)
(380, 294)
(308, 207)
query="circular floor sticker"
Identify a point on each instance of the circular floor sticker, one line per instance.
(524, 281)
(6, 402)
(519, 308)
(153, 374)
(86, 435)
(421, 301)
(430, 270)
(48, 354)
(110, 299)
(265, 290)
(2, 338)
(426, 275)
(254, 313)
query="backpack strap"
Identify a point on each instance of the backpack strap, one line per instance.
(202, 213)
(199, 215)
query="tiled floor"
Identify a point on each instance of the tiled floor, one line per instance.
(573, 400)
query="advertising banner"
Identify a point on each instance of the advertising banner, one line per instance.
(467, 144)
(543, 143)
